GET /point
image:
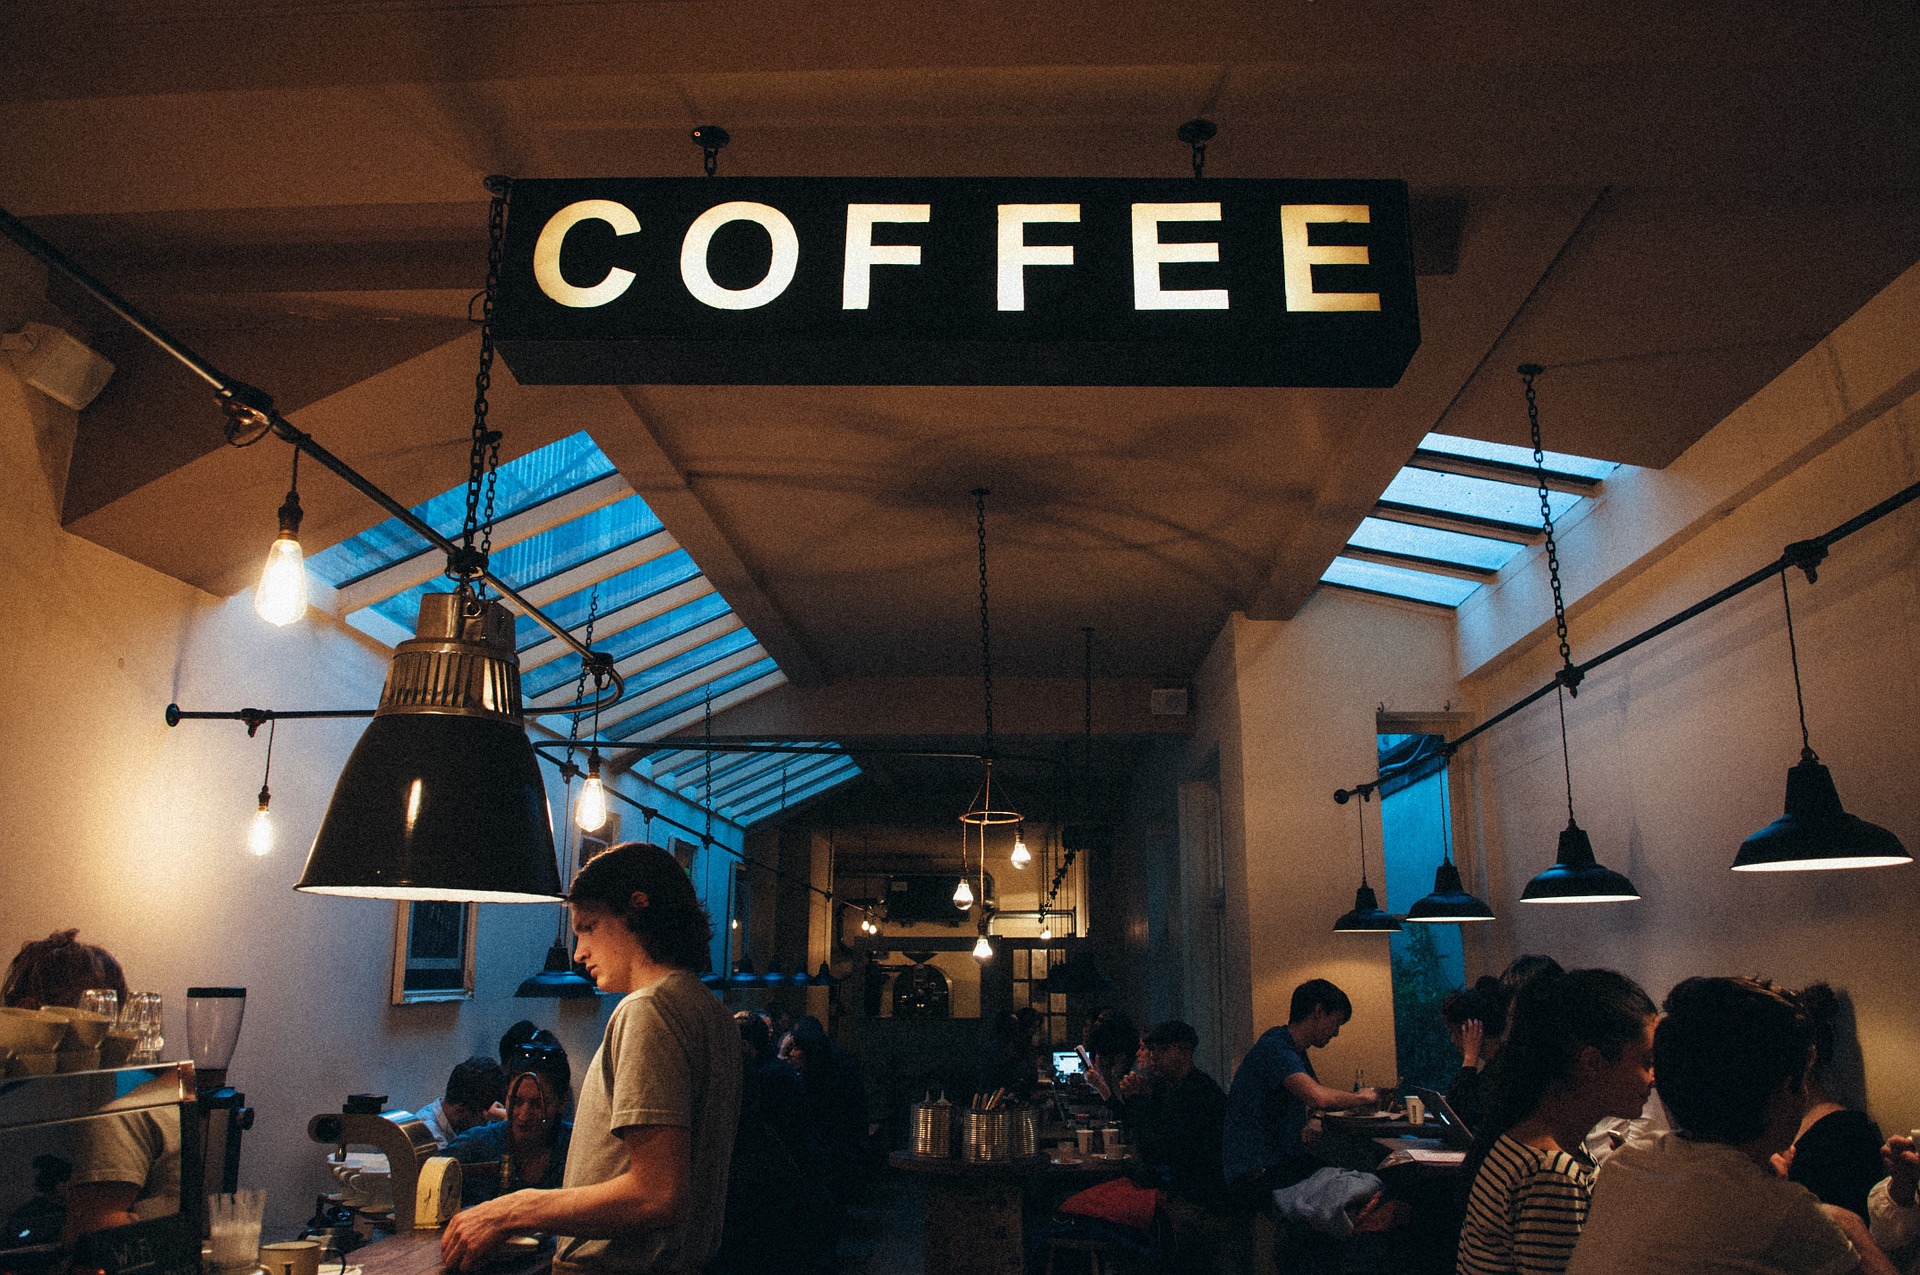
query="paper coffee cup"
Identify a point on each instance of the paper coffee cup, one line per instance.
(1085, 1138)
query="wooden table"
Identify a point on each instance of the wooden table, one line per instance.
(418, 1253)
(975, 1213)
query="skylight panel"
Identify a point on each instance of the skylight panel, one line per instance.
(1481, 498)
(1503, 454)
(616, 593)
(692, 699)
(619, 646)
(1400, 582)
(529, 480)
(1481, 553)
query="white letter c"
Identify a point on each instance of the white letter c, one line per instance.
(546, 253)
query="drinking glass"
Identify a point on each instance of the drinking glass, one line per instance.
(103, 1001)
(143, 1016)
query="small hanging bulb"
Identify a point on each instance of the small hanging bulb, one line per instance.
(260, 831)
(1046, 930)
(591, 811)
(983, 950)
(281, 597)
(1021, 855)
(963, 895)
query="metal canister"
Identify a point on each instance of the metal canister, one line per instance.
(933, 1129)
(986, 1136)
(1026, 1132)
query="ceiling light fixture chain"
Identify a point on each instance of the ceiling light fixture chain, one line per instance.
(710, 138)
(1568, 676)
(986, 633)
(469, 565)
(1196, 133)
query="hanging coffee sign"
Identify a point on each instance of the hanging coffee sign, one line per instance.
(957, 281)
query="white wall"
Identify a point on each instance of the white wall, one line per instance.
(1302, 724)
(112, 822)
(1680, 749)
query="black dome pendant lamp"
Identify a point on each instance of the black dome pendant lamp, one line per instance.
(442, 799)
(1816, 832)
(1449, 902)
(1367, 917)
(1575, 877)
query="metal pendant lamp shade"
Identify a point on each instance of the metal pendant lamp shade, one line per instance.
(1576, 878)
(557, 980)
(442, 798)
(1816, 832)
(1367, 916)
(1449, 900)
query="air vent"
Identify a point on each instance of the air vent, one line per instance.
(1167, 701)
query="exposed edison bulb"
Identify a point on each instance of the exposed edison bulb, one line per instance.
(590, 812)
(983, 950)
(1021, 855)
(260, 831)
(1046, 932)
(282, 596)
(963, 895)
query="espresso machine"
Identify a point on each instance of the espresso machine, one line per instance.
(407, 1144)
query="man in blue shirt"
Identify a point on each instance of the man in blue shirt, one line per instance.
(1275, 1092)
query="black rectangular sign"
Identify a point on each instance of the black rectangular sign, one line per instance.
(957, 281)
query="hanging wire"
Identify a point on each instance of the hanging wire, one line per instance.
(986, 634)
(1360, 813)
(1566, 759)
(267, 774)
(1793, 650)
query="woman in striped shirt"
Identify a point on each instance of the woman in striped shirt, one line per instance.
(1580, 1049)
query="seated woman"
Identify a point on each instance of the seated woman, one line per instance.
(1476, 1020)
(1836, 1154)
(529, 1147)
(1579, 1049)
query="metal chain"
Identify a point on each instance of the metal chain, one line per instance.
(986, 636)
(1527, 372)
(483, 454)
(580, 687)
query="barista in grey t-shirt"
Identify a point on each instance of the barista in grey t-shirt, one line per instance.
(646, 1180)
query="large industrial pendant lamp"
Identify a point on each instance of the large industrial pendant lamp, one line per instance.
(1449, 901)
(1815, 833)
(1367, 917)
(442, 798)
(1575, 877)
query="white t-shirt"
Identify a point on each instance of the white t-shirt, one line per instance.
(671, 1056)
(1673, 1206)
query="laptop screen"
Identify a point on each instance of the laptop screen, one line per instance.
(1067, 1062)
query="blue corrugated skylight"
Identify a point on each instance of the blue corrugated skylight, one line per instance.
(539, 476)
(1507, 503)
(1420, 586)
(1431, 515)
(1503, 454)
(649, 604)
(1481, 553)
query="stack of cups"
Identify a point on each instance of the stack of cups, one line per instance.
(233, 1222)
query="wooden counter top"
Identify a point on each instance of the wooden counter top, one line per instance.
(418, 1253)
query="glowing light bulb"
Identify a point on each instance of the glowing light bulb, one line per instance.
(282, 596)
(1021, 855)
(736, 925)
(983, 950)
(1046, 932)
(590, 812)
(963, 895)
(260, 831)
